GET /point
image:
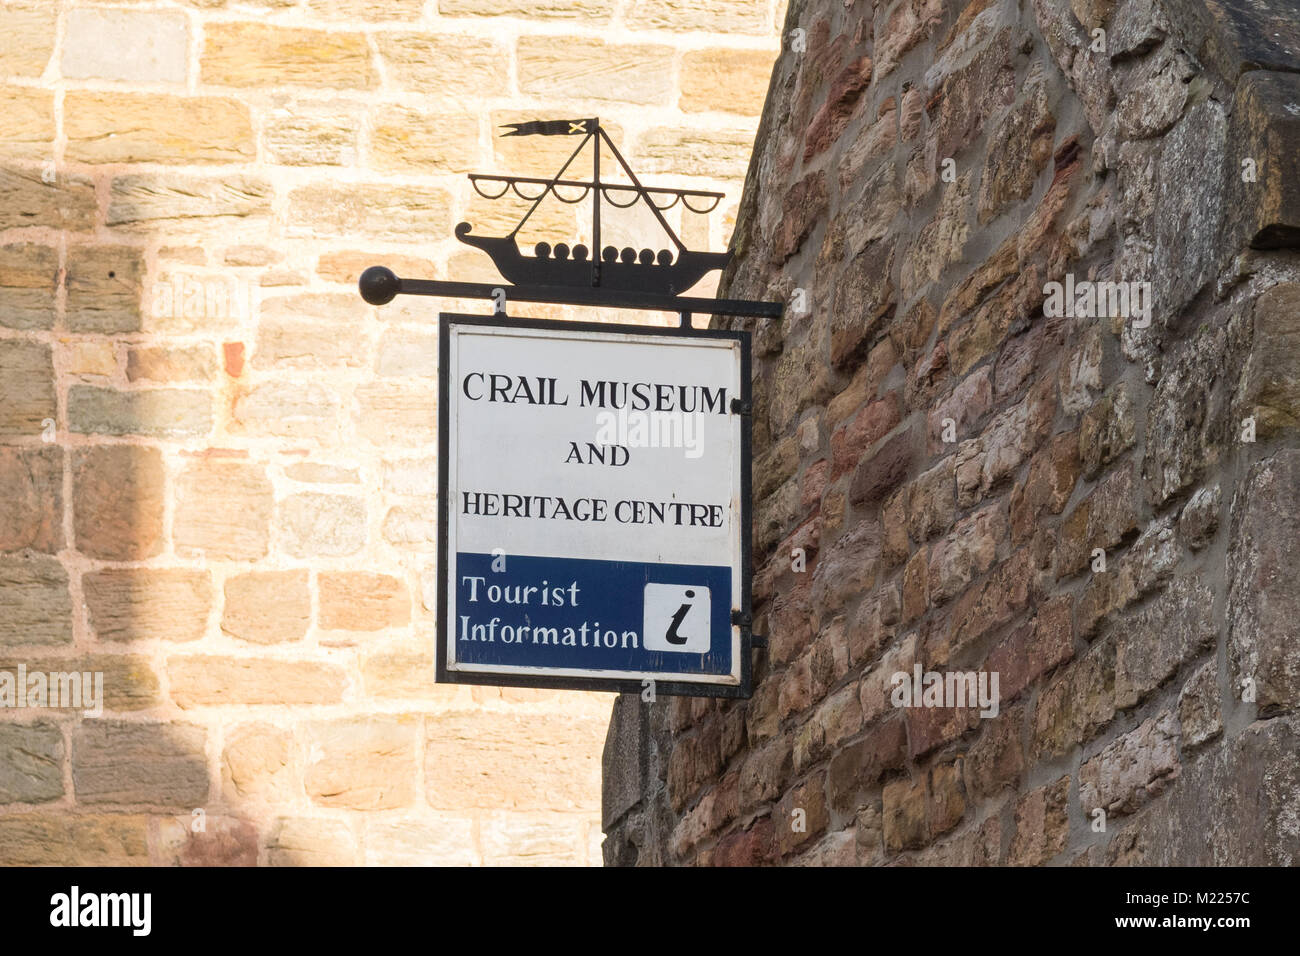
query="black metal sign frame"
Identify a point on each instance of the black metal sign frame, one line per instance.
(741, 617)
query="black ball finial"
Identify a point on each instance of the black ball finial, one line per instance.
(379, 285)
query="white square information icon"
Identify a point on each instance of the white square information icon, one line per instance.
(677, 618)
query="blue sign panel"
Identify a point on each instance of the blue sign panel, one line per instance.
(577, 614)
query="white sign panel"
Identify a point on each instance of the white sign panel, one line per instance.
(594, 506)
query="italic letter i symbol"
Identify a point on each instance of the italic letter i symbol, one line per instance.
(672, 636)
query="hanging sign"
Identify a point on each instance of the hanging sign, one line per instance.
(593, 479)
(594, 506)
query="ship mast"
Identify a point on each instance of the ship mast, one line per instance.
(595, 208)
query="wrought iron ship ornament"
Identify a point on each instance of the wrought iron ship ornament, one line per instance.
(626, 270)
(626, 278)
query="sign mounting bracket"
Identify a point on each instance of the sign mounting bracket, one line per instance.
(379, 286)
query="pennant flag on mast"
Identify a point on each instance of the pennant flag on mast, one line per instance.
(573, 127)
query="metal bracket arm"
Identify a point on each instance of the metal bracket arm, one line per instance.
(380, 285)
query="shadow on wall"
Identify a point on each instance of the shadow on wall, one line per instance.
(216, 557)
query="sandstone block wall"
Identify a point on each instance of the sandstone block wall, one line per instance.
(217, 464)
(1100, 506)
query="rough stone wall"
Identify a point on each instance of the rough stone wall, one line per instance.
(1073, 502)
(217, 465)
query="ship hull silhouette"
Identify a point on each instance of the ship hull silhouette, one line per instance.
(674, 277)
